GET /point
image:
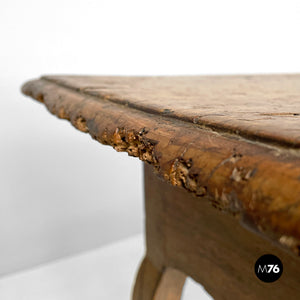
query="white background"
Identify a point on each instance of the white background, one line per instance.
(60, 191)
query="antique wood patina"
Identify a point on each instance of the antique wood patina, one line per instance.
(222, 174)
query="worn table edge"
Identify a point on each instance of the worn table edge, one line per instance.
(267, 215)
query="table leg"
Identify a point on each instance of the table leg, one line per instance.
(154, 284)
(186, 235)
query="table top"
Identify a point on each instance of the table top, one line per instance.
(231, 139)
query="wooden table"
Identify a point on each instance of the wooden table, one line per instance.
(222, 172)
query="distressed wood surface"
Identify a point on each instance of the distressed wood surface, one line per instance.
(233, 140)
(251, 106)
(187, 234)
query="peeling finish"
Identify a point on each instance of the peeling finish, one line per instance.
(180, 175)
(235, 157)
(237, 176)
(240, 174)
(62, 114)
(134, 144)
(79, 123)
(227, 202)
(291, 243)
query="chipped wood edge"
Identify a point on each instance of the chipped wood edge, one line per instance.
(238, 177)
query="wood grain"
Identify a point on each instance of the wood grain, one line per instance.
(154, 283)
(186, 233)
(170, 285)
(265, 107)
(233, 140)
(147, 281)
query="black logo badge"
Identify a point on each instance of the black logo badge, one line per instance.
(268, 268)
